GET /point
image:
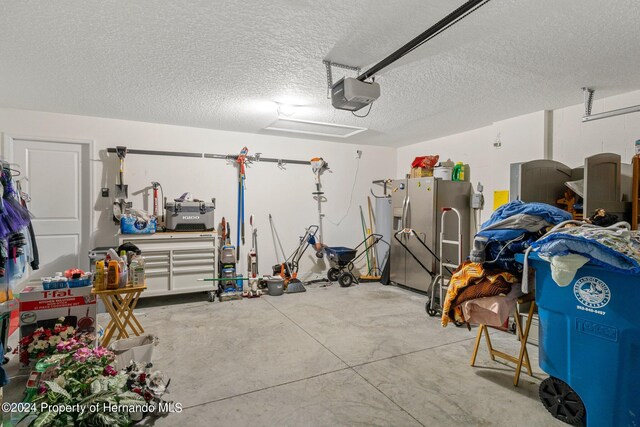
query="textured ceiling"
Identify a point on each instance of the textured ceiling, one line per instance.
(220, 64)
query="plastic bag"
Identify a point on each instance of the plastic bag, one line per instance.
(427, 162)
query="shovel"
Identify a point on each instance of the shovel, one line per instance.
(122, 190)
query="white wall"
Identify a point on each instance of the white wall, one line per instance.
(522, 139)
(574, 140)
(284, 193)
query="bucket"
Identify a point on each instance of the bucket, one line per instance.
(275, 287)
(443, 172)
(136, 349)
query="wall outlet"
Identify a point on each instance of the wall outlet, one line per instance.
(105, 192)
(358, 154)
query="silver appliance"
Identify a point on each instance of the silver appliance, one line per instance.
(417, 204)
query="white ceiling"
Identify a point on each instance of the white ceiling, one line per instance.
(220, 64)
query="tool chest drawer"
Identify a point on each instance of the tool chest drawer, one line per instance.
(175, 261)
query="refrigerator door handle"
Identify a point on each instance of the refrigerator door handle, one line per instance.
(404, 213)
(404, 209)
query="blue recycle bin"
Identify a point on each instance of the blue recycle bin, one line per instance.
(590, 345)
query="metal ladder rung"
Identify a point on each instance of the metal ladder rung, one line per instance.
(444, 264)
(452, 242)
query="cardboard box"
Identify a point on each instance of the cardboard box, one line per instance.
(421, 172)
(40, 308)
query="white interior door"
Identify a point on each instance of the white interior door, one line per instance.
(58, 182)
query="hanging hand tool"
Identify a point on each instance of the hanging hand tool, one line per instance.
(241, 160)
(121, 190)
(223, 231)
(318, 166)
(156, 208)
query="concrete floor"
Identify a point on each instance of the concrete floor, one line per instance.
(365, 355)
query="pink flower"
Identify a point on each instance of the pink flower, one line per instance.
(82, 354)
(42, 389)
(101, 351)
(110, 371)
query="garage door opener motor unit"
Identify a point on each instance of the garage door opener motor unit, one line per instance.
(352, 94)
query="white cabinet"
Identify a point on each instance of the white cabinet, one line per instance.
(175, 261)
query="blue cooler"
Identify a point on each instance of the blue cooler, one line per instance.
(590, 345)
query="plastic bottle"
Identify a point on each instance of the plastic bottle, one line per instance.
(458, 172)
(113, 275)
(137, 271)
(124, 269)
(98, 283)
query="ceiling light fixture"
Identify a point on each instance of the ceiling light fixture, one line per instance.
(286, 110)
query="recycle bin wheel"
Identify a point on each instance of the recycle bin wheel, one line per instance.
(333, 274)
(561, 401)
(212, 296)
(345, 280)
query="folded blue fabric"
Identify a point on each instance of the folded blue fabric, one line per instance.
(549, 213)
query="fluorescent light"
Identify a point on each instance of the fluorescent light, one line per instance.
(287, 110)
(309, 127)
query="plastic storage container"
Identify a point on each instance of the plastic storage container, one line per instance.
(275, 286)
(78, 283)
(228, 254)
(590, 345)
(445, 173)
(57, 282)
(130, 224)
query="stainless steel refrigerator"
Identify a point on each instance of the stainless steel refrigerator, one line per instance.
(417, 204)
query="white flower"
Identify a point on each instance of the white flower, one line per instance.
(31, 347)
(61, 319)
(64, 334)
(54, 340)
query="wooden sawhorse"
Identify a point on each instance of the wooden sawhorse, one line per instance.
(120, 304)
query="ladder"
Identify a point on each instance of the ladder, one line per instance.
(438, 282)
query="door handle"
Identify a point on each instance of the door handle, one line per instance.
(405, 212)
